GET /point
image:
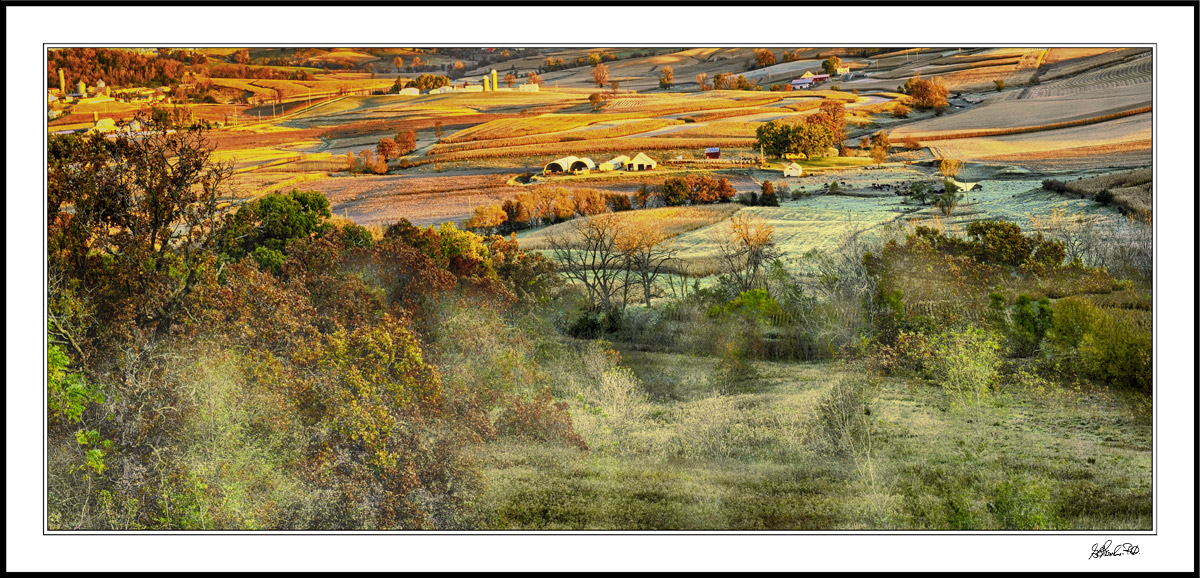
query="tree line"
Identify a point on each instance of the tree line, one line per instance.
(548, 205)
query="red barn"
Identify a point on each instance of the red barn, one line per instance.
(712, 153)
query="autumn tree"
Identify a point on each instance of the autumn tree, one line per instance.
(387, 149)
(397, 62)
(768, 197)
(427, 81)
(702, 80)
(510, 80)
(763, 58)
(142, 210)
(879, 154)
(487, 218)
(533, 78)
(880, 139)
(589, 202)
(927, 94)
(831, 64)
(600, 75)
(949, 167)
(406, 141)
(900, 111)
(666, 77)
(366, 160)
(596, 99)
(832, 114)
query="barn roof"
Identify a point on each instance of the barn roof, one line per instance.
(643, 158)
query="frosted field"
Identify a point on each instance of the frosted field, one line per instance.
(821, 221)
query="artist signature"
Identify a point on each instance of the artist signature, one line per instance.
(1100, 551)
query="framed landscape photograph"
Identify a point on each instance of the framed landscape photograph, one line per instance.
(475, 286)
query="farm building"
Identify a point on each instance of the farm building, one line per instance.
(570, 164)
(841, 70)
(807, 74)
(793, 170)
(528, 88)
(104, 125)
(474, 88)
(712, 153)
(641, 162)
(412, 90)
(614, 163)
(442, 90)
(820, 78)
(802, 83)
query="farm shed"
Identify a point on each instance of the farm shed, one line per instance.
(843, 70)
(712, 153)
(412, 90)
(793, 170)
(559, 166)
(641, 163)
(528, 88)
(614, 163)
(820, 78)
(582, 165)
(104, 125)
(807, 74)
(802, 83)
(570, 164)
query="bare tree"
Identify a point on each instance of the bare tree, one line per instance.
(648, 250)
(600, 75)
(588, 252)
(745, 246)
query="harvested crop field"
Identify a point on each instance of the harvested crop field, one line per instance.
(1133, 132)
(382, 199)
(673, 221)
(1136, 71)
(1025, 113)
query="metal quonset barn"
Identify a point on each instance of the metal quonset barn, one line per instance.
(570, 164)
